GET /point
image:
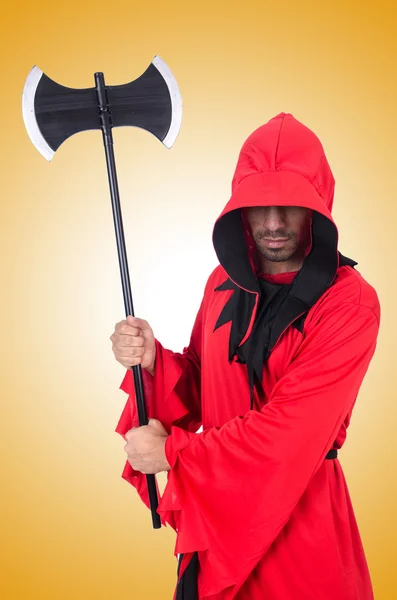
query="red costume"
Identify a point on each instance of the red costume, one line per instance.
(252, 497)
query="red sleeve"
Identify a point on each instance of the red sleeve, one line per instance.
(234, 487)
(172, 395)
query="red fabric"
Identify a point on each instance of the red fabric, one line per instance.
(252, 493)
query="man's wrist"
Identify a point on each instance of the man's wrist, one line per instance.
(167, 466)
(165, 451)
(150, 369)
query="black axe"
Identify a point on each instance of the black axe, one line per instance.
(53, 112)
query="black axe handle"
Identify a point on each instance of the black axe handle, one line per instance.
(125, 278)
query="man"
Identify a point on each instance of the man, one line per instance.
(281, 343)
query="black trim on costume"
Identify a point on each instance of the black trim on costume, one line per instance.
(229, 243)
(344, 260)
(240, 303)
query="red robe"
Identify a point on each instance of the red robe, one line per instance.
(252, 494)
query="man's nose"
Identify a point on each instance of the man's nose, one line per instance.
(273, 217)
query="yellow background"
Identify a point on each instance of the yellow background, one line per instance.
(72, 528)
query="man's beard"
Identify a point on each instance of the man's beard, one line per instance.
(277, 254)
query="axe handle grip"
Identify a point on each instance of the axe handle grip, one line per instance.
(105, 118)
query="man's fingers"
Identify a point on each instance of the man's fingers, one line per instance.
(133, 343)
(132, 326)
(124, 329)
(135, 357)
(128, 340)
(157, 425)
(141, 324)
(129, 433)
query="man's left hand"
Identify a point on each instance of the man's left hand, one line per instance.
(145, 447)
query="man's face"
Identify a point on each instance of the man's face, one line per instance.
(279, 231)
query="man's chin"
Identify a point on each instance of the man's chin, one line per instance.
(277, 255)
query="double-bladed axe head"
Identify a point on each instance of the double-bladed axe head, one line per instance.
(53, 112)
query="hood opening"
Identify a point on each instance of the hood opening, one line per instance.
(314, 277)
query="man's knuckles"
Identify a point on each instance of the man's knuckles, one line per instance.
(131, 433)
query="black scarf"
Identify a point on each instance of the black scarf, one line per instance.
(255, 351)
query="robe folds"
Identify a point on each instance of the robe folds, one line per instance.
(251, 496)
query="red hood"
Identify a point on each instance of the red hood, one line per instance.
(281, 163)
(285, 162)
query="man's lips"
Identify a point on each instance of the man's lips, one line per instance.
(275, 243)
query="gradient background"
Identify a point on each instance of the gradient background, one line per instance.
(72, 528)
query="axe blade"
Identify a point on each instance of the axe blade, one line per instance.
(176, 101)
(52, 112)
(29, 116)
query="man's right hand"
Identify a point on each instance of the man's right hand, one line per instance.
(133, 343)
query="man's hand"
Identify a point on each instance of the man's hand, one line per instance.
(133, 343)
(145, 448)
